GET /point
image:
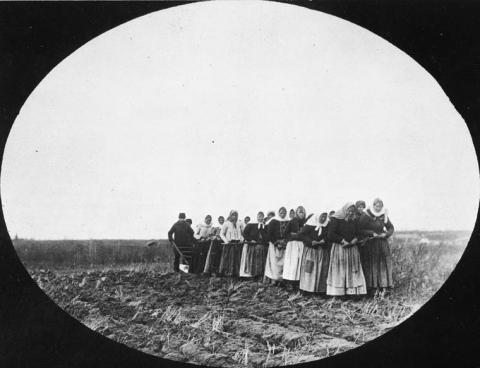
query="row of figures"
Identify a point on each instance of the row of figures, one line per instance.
(342, 253)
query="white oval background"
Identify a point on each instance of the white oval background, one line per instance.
(254, 105)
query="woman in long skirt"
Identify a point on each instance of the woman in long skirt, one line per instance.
(375, 253)
(316, 255)
(345, 274)
(294, 249)
(203, 235)
(276, 227)
(214, 255)
(254, 250)
(231, 235)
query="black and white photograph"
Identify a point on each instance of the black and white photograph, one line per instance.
(239, 184)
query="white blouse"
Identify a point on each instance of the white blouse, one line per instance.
(203, 231)
(231, 232)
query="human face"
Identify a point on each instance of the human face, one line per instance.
(234, 216)
(323, 218)
(377, 206)
(208, 220)
(361, 207)
(350, 211)
(260, 217)
(300, 213)
(221, 220)
(291, 214)
(246, 220)
(282, 213)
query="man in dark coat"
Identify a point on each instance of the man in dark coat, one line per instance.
(182, 234)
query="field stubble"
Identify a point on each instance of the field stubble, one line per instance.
(230, 323)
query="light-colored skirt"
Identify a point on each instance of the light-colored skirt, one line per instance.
(377, 263)
(274, 263)
(345, 274)
(314, 269)
(246, 262)
(292, 260)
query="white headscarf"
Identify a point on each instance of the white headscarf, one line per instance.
(279, 219)
(341, 214)
(383, 211)
(314, 220)
(322, 224)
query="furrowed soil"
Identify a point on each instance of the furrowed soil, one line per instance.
(218, 321)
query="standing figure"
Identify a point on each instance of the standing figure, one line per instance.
(276, 249)
(203, 235)
(232, 237)
(214, 255)
(345, 274)
(375, 254)
(254, 252)
(316, 254)
(182, 234)
(294, 249)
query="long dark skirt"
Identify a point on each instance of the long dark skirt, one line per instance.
(231, 257)
(200, 251)
(377, 263)
(259, 259)
(214, 256)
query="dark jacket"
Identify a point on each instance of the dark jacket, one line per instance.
(341, 229)
(369, 224)
(273, 231)
(294, 226)
(181, 233)
(308, 234)
(252, 232)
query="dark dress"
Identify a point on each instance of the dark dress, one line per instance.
(345, 274)
(199, 257)
(375, 254)
(182, 234)
(214, 255)
(254, 254)
(315, 260)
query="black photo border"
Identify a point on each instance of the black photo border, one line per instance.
(442, 36)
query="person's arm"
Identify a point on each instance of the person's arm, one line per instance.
(242, 229)
(390, 229)
(223, 233)
(332, 234)
(171, 232)
(197, 232)
(191, 235)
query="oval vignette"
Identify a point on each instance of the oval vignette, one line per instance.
(206, 107)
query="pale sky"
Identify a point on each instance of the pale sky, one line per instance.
(211, 106)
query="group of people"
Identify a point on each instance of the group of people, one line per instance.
(344, 252)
